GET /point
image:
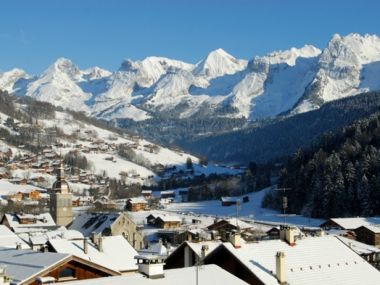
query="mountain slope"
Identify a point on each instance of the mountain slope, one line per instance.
(283, 136)
(219, 86)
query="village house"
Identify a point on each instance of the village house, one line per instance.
(109, 224)
(368, 252)
(294, 260)
(26, 222)
(112, 252)
(152, 273)
(189, 253)
(349, 223)
(229, 201)
(167, 222)
(163, 221)
(24, 267)
(147, 194)
(369, 234)
(136, 204)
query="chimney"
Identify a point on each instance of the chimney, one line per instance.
(235, 239)
(287, 234)
(4, 279)
(151, 266)
(280, 267)
(100, 244)
(85, 246)
(204, 251)
(320, 233)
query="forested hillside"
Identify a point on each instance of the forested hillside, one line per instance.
(337, 178)
(283, 136)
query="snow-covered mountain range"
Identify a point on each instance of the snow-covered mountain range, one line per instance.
(292, 81)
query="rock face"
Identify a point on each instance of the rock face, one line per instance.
(291, 81)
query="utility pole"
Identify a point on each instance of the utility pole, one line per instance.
(284, 201)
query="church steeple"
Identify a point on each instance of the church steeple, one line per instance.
(61, 199)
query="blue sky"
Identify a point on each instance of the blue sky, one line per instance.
(34, 33)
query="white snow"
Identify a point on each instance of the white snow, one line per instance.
(251, 210)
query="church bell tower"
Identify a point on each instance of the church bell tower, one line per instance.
(61, 200)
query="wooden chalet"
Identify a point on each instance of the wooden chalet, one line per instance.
(369, 234)
(136, 204)
(26, 267)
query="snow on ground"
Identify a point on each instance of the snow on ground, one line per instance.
(114, 168)
(250, 210)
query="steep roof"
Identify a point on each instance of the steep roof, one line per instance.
(9, 239)
(117, 253)
(207, 274)
(24, 264)
(88, 223)
(41, 220)
(313, 260)
(354, 223)
(359, 247)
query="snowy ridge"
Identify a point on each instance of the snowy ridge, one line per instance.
(291, 81)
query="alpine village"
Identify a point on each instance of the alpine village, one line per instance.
(262, 171)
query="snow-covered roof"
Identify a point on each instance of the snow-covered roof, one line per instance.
(354, 223)
(117, 253)
(359, 247)
(313, 260)
(169, 218)
(241, 224)
(207, 274)
(197, 246)
(230, 199)
(24, 264)
(373, 228)
(41, 220)
(9, 239)
(87, 223)
(137, 200)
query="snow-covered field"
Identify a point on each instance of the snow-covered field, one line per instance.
(250, 210)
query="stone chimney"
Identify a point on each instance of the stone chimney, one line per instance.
(204, 251)
(100, 244)
(151, 266)
(4, 279)
(235, 239)
(280, 267)
(85, 246)
(320, 233)
(287, 234)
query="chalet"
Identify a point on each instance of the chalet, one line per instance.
(368, 252)
(369, 234)
(33, 195)
(109, 224)
(349, 223)
(25, 222)
(25, 266)
(228, 201)
(105, 203)
(136, 204)
(189, 253)
(147, 194)
(168, 194)
(167, 222)
(16, 197)
(311, 260)
(112, 252)
(150, 266)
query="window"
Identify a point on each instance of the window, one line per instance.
(67, 274)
